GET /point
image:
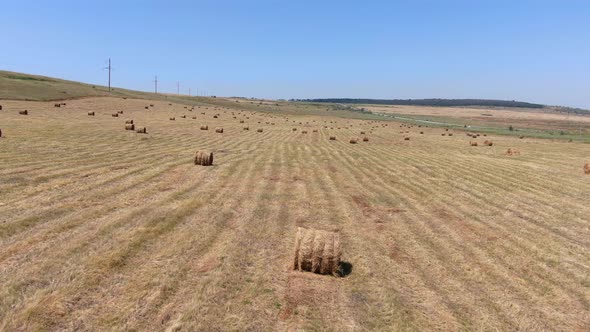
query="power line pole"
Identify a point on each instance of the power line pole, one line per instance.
(189, 92)
(109, 68)
(156, 85)
(178, 88)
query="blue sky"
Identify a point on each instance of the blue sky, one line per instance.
(536, 51)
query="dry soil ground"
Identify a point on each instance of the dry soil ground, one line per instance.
(105, 229)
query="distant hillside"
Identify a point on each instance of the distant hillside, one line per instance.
(429, 102)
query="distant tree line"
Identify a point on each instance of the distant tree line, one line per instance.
(428, 102)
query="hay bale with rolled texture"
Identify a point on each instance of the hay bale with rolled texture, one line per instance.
(172, 119)
(25, 112)
(259, 130)
(204, 127)
(90, 113)
(353, 140)
(332, 138)
(203, 158)
(586, 166)
(317, 251)
(472, 143)
(219, 130)
(365, 139)
(130, 126)
(129, 121)
(141, 130)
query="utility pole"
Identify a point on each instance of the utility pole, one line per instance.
(178, 88)
(109, 68)
(156, 85)
(189, 92)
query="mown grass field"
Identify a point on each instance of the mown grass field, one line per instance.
(104, 229)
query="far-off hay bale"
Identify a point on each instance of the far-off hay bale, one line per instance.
(25, 112)
(421, 133)
(488, 143)
(129, 121)
(472, 143)
(147, 107)
(304, 131)
(443, 134)
(183, 116)
(141, 130)
(294, 129)
(120, 112)
(512, 152)
(0, 107)
(115, 115)
(365, 139)
(172, 119)
(241, 121)
(0, 132)
(219, 130)
(314, 131)
(215, 116)
(406, 138)
(194, 117)
(130, 126)
(259, 130)
(56, 105)
(586, 166)
(332, 138)
(362, 132)
(317, 251)
(450, 134)
(246, 128)
(91, 113)
(353, 140)
(204, 127)
(521, 137)
(204, 158)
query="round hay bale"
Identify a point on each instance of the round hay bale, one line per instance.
(141, 130)
(443, 134)
(362, 132)
(0, 132)
(172, 119)
(25, 112)
(120, 112)
(332, 138)
(246, 128)
(219, 130)
(353, 140)
(586, 166)
(0, 107)
(147, 107)
(421, 133)
(472, 143)
(194, 117)
(488, 143)
(317, 251)
(204, 127)
(203, 158)
(129, 121)
(215, 116)
(450, 134)
(56, 105)
(304, 131)
(294, 129)
(130, 126)
(115, 115)
(183, 116)
(259, 130)
(521, 137)
(365, 139)
(406, 138)
(314, 131)
(241, 121)
(91, 113)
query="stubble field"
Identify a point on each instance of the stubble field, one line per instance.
(105, 229)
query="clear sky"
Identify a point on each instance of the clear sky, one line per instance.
(537, 51)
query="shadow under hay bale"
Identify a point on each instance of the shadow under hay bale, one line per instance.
(317, 252)
(204, 158)
(172, 119)
(115, 115)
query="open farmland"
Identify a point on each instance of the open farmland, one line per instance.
(106, 229)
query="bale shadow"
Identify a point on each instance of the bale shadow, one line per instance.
(344, 269)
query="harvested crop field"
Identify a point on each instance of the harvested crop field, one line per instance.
(102, 228)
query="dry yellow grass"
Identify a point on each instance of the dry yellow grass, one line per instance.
(132, 236)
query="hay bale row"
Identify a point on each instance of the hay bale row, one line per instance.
(204, 158)
(317, 251)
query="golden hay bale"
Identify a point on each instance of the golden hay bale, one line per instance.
(586, 166)
(241, 121)
(183, 116)
(204, 127)
(472, 143)
(141, 130)
(194, 117)
(147, 107)
(362, 132)
(129, 121)
(488, 143)
(259, 130)
(91, 113)
(204, 158)
(246, 128)
(512, 152)
(365, 139)
(130, 126)
(115, 115)
(406, 138)
(25, 112)
(172, 118)
(294, 129)
(332, 138)
(120, 112)
(317, 251)
(353, 140)
(219, 130)
(304, 131)
(450, 134)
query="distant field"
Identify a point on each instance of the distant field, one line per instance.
(104, 229)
